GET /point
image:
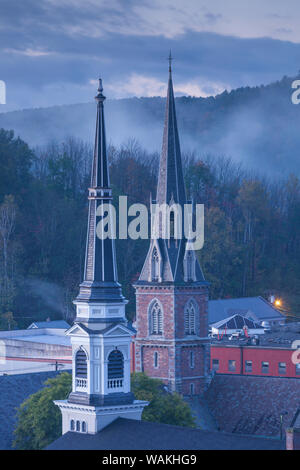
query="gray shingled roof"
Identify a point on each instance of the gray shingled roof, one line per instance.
(129, 434)
(50, 324)
(245, 404)
(14, 389)
(263, 310)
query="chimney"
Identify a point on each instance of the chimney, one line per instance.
(293, 439)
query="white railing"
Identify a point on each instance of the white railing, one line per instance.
(115, 383)
(81, 383)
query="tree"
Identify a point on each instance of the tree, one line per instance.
(7, 224)
(167, 408)
(39, 420)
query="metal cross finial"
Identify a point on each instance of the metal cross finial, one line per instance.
(100, 97)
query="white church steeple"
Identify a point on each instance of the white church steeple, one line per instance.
(100, 337)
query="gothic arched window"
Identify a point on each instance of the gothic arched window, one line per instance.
(81, 364)
(78, 426)
(115, 368)
(190, 318)
(83, 426)
(156, 319)
(72, 425)
(155, 265)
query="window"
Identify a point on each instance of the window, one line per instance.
(72, 425)
(155, 265)
(156, 319)
(81, 364)
(265, 367)
(78, 426)
(192, 388)
(192, 360)
(281, 368)
(115, 366)
(190, 318)
(248, 366)
(155, 359)
(83, 426)
(297, 367)
(215, 364)
(231, 365)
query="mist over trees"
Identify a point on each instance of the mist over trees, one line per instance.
(252, 226)
(258, 126)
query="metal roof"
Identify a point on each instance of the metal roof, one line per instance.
(50, 324)
(262, 310)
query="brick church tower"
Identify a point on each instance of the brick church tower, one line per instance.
(171, 293)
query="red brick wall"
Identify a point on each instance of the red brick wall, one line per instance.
(257, 356)
(173, 347)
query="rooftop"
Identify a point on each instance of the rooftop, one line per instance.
(281, 337)
(223, 308)
(50, 324)
(125, 434)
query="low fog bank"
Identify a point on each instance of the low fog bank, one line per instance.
(258, 127)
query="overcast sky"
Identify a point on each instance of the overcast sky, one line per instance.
(53, 51)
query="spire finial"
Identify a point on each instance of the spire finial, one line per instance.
(100, 96)
(170, 58)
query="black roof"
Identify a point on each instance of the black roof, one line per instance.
(128, 434)
(14, 389)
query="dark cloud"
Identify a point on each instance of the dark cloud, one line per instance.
(51, 50)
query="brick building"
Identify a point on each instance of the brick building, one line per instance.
(171, 292)
(274, 354)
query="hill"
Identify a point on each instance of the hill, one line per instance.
(256, 126)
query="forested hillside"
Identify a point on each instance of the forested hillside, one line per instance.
(252, 226)
(258, 127)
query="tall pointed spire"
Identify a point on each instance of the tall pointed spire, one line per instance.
(100, 176)
(170, 190)
(100, 282)
(170, 182)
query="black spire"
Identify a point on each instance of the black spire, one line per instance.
(100, 280)
(170, 181)
(170, 190)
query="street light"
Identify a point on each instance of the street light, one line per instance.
(282, 414)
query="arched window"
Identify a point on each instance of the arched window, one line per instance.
(156, 359)
(81, 364)
(155, 265)
(115, 365)
(78, 426)
(190, 318)
(72, 425)
(156, 320)
(83, 426)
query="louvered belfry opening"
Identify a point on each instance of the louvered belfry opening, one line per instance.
(81, 364)
(156, 323)
(189, 319)
(115, 365)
